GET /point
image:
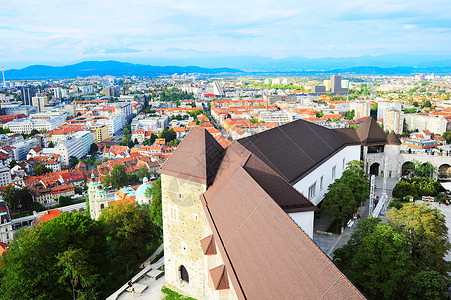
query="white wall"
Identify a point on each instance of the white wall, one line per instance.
(325, 169)
(305, 221)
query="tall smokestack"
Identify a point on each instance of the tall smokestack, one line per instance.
(4, 82)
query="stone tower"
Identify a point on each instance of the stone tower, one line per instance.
(97, 198)
(185, 177)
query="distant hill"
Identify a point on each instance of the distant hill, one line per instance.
(102, 68)
(363, 65)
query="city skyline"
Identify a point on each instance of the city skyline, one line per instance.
(161, 32)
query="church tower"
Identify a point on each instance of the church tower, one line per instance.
(185, 177)
(97, 198)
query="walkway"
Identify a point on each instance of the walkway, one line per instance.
(147, 283)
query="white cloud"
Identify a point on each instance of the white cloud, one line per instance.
(67, 31)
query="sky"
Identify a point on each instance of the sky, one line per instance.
(59, 32)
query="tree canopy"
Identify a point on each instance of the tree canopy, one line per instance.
(41, 170)
(403, 258)
(118, 176)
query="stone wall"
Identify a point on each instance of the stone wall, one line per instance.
(184, 225)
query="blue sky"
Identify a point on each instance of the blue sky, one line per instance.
(59, 32)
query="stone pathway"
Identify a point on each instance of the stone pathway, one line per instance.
(147, 283)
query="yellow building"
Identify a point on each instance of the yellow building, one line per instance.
(103, 132)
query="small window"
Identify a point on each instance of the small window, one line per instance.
(196, 218)
(184, 274)
(102, 206)
(173, 213)
(344, 163)
(180, 195)
(321, 183)
(312, 191)
(334, 169)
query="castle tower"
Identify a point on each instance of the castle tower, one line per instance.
(392, 150)
(97, 198)
(185, 177)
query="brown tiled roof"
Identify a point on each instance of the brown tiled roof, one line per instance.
(295, 149)
(347, 135)
(208, 245)
(370, 133)
(219, 278)
(267, 255)
(392, 139)
(197, 158)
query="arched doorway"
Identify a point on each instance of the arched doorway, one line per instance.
(444, 172)
(184, 274)
(407, 169)
(374, 169)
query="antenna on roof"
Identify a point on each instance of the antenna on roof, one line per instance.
(4, 82)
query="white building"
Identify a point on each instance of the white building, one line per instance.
(21, 149)
(86, 138)
(417, 122)
(394, 120)
(115, 123)
(39, 102)
(383, 105)
(26, 125)
(18, 109)
(280, 117)
(71, 147)
(362, 109)
(5, 175)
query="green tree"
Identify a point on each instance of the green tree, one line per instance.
(168, 135)
(423, 169)
(31, 269)
(41, 170)
(354, 177)
(350, 115)
(343, 256)
(73, 161)
(94, 148)
(106, 181)
(77, 271)
(118, 176)
(64, 200)
(404, 188)
(156, 206)
(339, 202)
(12, 164)
(51, 145)
(381, 263)
(319, 114)
(427, 285)
(17, 198)
(129, 230)
(143, 172)
(424, 229)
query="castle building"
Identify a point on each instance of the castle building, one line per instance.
(235, 223)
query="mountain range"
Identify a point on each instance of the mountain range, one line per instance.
(370, 65)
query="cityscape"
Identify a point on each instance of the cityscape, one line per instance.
(187, 168)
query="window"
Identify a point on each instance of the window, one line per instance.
(312, 191)
(321, 183)
(184, 274)
(173, 213)
(334, 168)
(344, 163)
(102, 206)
